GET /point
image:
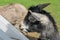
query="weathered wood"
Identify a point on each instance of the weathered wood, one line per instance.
(3, 36)
(9, 30)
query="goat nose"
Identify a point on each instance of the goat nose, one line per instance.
(21, 28)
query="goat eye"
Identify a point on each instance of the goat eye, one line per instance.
(32, 19)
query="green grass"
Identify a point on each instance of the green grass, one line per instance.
(54, 8)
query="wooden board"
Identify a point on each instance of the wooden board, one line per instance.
(3, 36)
(9, 30)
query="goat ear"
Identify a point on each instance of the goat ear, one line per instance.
(30, 11)
(41, 6)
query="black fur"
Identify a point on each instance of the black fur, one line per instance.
(35, 25)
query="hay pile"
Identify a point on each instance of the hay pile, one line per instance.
(14, 13)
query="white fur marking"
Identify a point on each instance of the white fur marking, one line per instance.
(24, 27)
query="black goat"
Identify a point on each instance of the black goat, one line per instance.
(38, 20)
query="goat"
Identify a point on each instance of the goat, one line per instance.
(38, 20)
